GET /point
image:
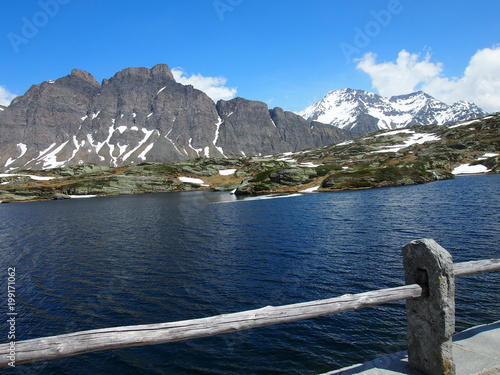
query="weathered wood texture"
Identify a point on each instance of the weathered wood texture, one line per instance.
(477, 266)
(120, 337)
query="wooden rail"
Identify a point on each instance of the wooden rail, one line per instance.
(127, 336)
(120, 337)
(476, 266)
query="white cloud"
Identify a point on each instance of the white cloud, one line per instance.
(480, 82)
(401, 77)
(212, 86)
(5, 96)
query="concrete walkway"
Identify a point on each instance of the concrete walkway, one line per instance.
(475, 351)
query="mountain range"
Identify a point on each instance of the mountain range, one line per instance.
(413, 155)
(362, 112)
(141, 115)
(144, 115)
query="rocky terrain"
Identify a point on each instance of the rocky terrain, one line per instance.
(362, 112)
(143, 115)
(413, 155)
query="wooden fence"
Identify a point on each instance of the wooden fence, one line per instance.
(429, 292)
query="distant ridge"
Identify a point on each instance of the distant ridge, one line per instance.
(362, 112)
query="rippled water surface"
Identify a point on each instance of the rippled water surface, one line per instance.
(103, 262)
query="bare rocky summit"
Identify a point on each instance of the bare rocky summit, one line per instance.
(143, 115)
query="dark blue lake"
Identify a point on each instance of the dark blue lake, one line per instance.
(114, 261)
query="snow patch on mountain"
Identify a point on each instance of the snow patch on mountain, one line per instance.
(50, 159)
(227, 172)
(464, 123)
(414, 138)
(470, 169)
(192, 180)
(33, 177)
(474, 168)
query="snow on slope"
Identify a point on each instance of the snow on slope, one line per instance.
(33, 177)
(336, 106)
(476, 168)
(414, 138)
(362, 111)
(192, 180)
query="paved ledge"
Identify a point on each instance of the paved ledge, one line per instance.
(475, 351)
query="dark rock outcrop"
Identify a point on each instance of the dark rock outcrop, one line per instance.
(141, 115)
(293, 176)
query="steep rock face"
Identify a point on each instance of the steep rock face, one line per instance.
(247, 126)
(298, 133)
(362, 112)
(47, 114)
(141, 115)
(51, 104)
(250, 128)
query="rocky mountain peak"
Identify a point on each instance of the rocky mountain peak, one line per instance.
(362, 112)
(228, 107)
(142, 115)
(85, 76)
(160, 72)
(129, 74)
(277, 112)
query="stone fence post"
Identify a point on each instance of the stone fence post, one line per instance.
(431, 319)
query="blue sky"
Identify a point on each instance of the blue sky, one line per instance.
(287, 53)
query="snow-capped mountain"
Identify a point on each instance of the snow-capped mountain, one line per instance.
(362, 112)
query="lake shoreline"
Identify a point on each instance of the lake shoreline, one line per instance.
(302, 189)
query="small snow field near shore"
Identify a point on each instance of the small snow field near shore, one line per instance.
(33, 177)
(470, 169)
(474, 169)
(191, 180)
(227, 172)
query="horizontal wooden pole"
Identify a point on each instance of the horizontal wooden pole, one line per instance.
(120, 337)
(128, 336)
(477, 266)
